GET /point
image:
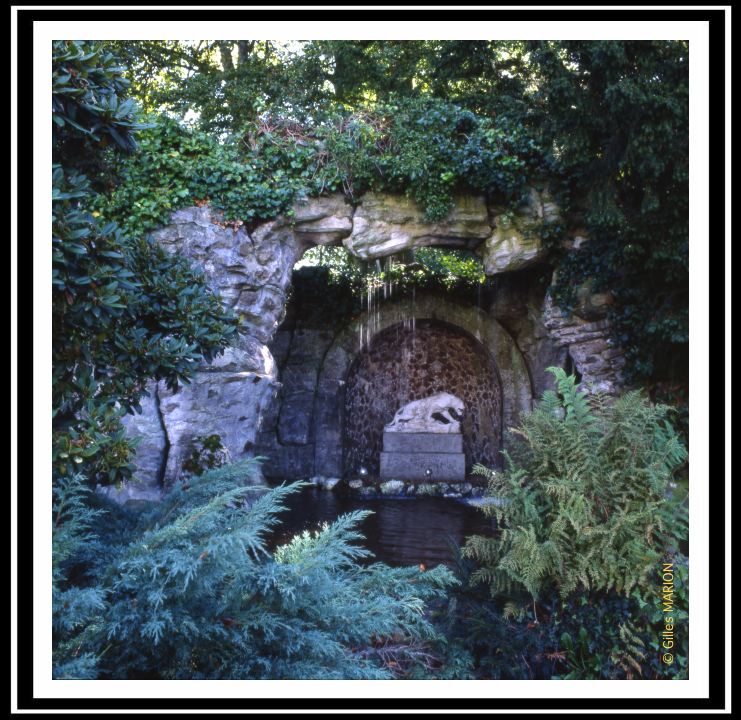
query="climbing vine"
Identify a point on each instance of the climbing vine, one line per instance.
(427, 148)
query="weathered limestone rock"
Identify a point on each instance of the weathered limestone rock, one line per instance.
(392, 487)
(322, 221)
(515, 242)
(291, 418)
(227, 398)
(151, 449)
(591, 305)
(132, 491)
(328, 483)
(439, 413)
(510, 248)
(590, 346)
(387, 224)
(228, 404)
(300, 426)
(250, 273)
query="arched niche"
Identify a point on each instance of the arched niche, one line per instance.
(329, 404)
(408, 362)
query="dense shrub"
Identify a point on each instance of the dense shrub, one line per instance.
(587, 636)
(190, 589)
(426, 148)
(586, 517)
(585, 507)
(616, 114)
(124, 311)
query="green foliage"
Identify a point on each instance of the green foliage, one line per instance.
(124, 312)
(617, 115)
(195, 592)
(453, 267)
(595, 635)
(228, 83)
(430, 149)
(426, 148)
(607, 636)
(429, 117)
(455, 271)
(207, 452)
(89, 112)
(586, 507)
(73, 606)
(176, 167)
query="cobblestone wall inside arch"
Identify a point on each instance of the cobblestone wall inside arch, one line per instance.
(403, 365)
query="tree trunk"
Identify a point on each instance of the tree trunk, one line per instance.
(244, 50)
(225, 51)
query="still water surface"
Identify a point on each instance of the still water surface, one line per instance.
(400, 531)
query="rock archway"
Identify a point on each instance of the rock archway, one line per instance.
(235, 396)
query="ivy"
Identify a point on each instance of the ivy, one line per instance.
(616, 117)
(428, 149)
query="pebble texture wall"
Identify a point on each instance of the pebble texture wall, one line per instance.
(403, 365)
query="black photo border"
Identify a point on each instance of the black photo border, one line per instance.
(24, 109)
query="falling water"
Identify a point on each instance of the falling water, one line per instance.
(479, 334)
(414, 319)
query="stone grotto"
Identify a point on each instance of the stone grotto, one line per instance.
(313, 396)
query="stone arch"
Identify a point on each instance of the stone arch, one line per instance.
(251, 271)
(329, 403)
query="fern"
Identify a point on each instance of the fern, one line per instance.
(588, 509)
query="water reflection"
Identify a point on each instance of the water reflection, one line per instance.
(400, 531)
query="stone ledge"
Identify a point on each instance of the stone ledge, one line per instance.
(406, 442)
(413, 466)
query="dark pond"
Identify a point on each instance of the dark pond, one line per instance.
(400, 531)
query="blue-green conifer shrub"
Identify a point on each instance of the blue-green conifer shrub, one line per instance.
(191, 589)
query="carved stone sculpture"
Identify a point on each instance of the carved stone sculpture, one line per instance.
(439, 413)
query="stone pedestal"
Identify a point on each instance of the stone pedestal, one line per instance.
(408, 456)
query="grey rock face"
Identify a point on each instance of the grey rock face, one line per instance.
(299, 425)
(590, 345)
(386, 224)
(228, 397)
(511, 247)
(225, 404)
(322, 221)
(151, 449)
(392, 487)
(132, 491)
(515, 242)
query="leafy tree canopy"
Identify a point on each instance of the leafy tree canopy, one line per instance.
(608, 119)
